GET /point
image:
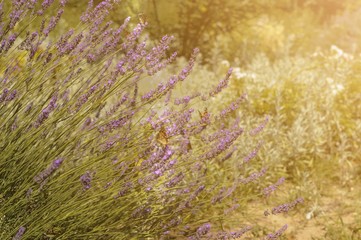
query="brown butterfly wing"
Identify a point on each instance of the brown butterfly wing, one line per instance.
(142, 18)
(204, 114)
(162, 137)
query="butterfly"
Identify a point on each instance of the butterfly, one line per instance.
(189, 146)
(126, 32)
(142, 18)
(204, 114)
(162, 137)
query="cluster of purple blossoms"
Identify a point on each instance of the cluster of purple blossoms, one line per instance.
(259, 128)
(277, 234)
(117, 123)
(142, 211)
(117, 105)
(178, 122)
(254, 176)
(164, 88)
(219, 196)
(46, 111)
(6, 97)
(125, 189)
(153, 60)
(141, 158)
(46, 4)
(185, 100)
(6, 44)
(172, 223)
(223, 143)
(231, 209)
(228, 155)
(187, 203)
(175, 180)
(203, 230)
(43, 176)
(270, 189)
(221, 85)
(232, 107)
(53, 22)
(99, 12)
(284, 208)
(224, 193)
(64, 47)
(85, 180)
(232, 235)
(254, 152)
(155, 157)
(159, 168)
(20, 233)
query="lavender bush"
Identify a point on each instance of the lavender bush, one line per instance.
(87, 153)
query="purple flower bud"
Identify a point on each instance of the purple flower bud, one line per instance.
(20, 233)
(86, 179)
(204, 229)
(42, 176)
(222, 84)
(260, 127)
(268, 190)
(277, 234)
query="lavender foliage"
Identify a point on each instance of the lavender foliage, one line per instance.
(159, 171)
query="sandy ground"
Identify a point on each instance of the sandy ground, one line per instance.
(337, 216)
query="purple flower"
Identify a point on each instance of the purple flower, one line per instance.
(268, 190)
(42, 176)
(239, 233)
(172, 223)
(204, 229)
(260, 127)
(4, 95)
(141, 211)
(46, 111)
(223, 143)
(125, 189)
(231, 209)
(253, 153)
(7, 44)
(191, 198)
(63, 2)
(15, 16)
(158, 172)
(283, 208)
(254, 176)
(46, 4)
(86, 179)
(20, 233)
(222, 84)
(53, 22)
(185, 100)
(277, 234)
(175, 180)
(232, 107)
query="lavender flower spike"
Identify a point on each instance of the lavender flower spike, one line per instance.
(85, 180)
(20, 233)
(277, 234)
(42, 176)
(204, 229)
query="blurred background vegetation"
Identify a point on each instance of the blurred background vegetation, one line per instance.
(239, 29)
(299, 61)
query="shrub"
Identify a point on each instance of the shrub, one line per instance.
(87, 152)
